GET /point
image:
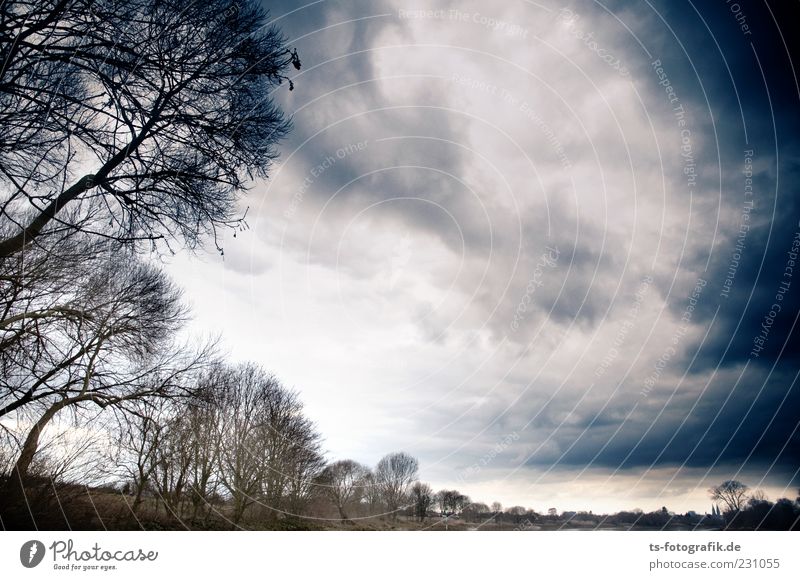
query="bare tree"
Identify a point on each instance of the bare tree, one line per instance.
(475, 510)
(343, 482)
(373, 498)
(241, 431)
(451, 502)
(269, 451)
(161, 108)
(394, 475)
(240, 469)
(172, 465)
(289, 446)
(43, 295)
(516, 513)
(135, 456)
(422, 498)
(732, 493)
(123, 351)
(203, 440)
(302, 467)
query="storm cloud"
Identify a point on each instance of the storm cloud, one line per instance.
(543, 240)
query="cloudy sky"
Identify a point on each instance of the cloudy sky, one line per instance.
(546, 248)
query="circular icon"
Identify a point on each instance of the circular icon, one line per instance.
(31, 553)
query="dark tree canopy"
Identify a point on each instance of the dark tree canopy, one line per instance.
(732, 493)
(422, 498)
(451, 502)
(144, 117)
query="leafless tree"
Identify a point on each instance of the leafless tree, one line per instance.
(161, 109)
(286, 436)
(172, 448)
(240, 468)
(732, 493)
(422, 498)
(124, 350)
(172, 466)
(42, 293)
(394, 475)
(139, 437)
(124, 122)
(475, 510)
(517, 513)
(451, 502)
(203, 444)
(373, 497)
(301, 464)
(269, 451)
(9, 444)
(343, 483)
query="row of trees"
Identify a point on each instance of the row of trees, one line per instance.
(751, 509)
(392, 489)
(354, 489)
(128, 131)
(241, 440)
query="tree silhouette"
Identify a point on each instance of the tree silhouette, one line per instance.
(144, 117)
(343, 482)
(394, 475)
(422, 498)
(732, 493)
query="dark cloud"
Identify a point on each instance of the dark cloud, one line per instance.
(432, 234)
(725, 422)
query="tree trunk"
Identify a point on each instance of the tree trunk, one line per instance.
(238, 508)
(14, 489)
(137, 500)
(31, 444)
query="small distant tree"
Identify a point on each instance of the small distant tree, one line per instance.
(422, 498)
(474, 511)
(451, 502)
(342, 482)
(516, 513)
(497, 507)
(732, 493)
(394, 475)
